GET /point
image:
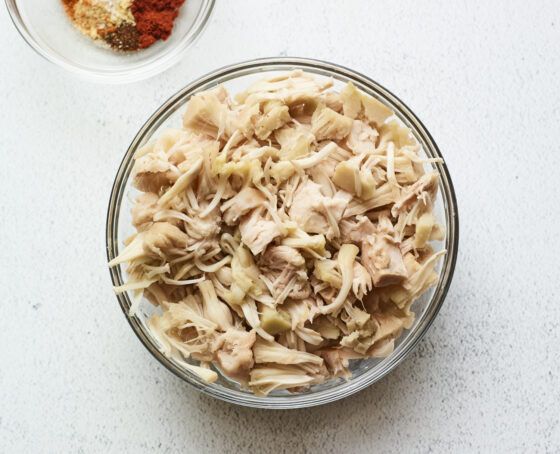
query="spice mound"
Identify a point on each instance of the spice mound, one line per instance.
(282, 233)
(125, 25)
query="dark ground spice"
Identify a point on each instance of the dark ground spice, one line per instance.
(124, 37)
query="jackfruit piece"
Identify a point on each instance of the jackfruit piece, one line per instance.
(375, 111)
(248, 169)
(274, 322)
(399, 296)
(346, 257)
(294, 142)
(243, 270)
(351, 100)
(423, 230)
(349, 177)
(368, 184)
(273, 352)
(327, 329)
(400, 134)
(281, 171)
(327, 124)
(438, 232)
(275, 116)
(205, 114)
(356, 318)
(325, 271)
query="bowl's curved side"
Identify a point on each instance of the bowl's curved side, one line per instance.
(447, 192)
(17, 20)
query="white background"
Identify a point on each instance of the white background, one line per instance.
(482, 76)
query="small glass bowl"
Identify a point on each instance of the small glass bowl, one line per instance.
(47, 29)
(364, 372)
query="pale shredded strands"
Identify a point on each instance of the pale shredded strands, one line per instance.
(282, 234)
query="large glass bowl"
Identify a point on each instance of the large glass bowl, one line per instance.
(47, 29)
(364, 372)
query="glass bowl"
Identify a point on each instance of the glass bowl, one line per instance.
(47, 29)
(364, 372)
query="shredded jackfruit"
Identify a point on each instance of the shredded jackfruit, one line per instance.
(281, 234)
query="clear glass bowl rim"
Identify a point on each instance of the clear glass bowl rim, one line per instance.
(148, 69)
(412, 338)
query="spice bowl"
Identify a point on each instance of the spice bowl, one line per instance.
(364, 372)
(46, 27)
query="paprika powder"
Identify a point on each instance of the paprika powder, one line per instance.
(154, 19)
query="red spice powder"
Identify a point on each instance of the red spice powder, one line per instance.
(154, 19)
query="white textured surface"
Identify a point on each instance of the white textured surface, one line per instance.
(482, 76)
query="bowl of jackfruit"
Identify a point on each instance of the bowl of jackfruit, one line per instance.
(282, 232)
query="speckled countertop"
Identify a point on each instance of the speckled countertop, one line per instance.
(482, 76)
